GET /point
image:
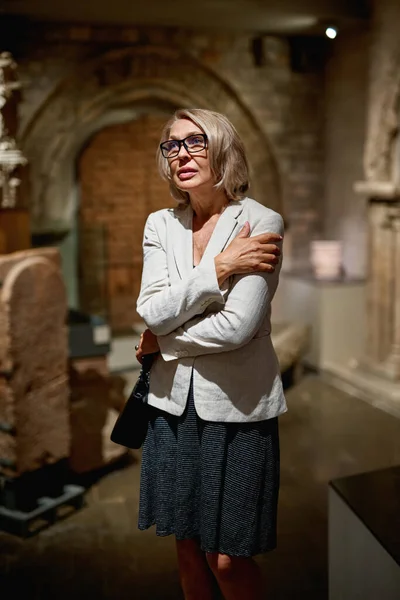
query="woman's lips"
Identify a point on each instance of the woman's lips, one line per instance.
(183, 175)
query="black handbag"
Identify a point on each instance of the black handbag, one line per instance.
(131, 426)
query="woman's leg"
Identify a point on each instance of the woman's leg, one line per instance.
(197, 581)
(237, 577)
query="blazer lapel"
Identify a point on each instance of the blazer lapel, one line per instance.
(182, 235)
(226, 226)
(182, 240)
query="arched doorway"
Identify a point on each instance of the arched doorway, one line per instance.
(114, 88)
(119, 187)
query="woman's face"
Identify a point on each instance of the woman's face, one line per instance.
(189, 171)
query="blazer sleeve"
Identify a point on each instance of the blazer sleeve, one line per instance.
(163, 306)
(238, 320)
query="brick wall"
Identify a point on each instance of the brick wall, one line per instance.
(120, 186)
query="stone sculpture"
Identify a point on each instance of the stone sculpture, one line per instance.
(11, 158)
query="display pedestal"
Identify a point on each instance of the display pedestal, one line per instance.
(364, 543)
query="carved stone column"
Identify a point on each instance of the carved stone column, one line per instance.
(375, 376)
(393, 360)
(382, 354)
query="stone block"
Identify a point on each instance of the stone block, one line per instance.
(8, 454)
(34, 390)
(7, 413)
(41, 422)
(8, 261)
(97, 364)
(42, 426)
(291, 341)
(96, 400)
(33, 347)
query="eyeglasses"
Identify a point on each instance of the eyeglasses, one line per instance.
(192, 143)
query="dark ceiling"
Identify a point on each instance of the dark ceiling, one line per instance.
(291, 17)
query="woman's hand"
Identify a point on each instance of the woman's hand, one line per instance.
(248, 254)
(148, 345)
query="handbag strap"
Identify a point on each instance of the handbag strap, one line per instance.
(148, 360)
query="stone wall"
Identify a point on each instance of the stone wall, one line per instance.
(346, 114)
(73, 75)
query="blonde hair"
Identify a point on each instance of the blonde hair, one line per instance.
(226, 153)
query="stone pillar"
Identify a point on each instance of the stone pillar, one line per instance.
(393, 361)
(375, 375)
(382, 350)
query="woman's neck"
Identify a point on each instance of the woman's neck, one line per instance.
(208, 203)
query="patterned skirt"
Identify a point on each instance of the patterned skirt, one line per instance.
(216, 482)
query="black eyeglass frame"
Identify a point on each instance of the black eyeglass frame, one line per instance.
(180, 142)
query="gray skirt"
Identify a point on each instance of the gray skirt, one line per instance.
(216, 482)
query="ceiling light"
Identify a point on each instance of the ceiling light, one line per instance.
(331, 32)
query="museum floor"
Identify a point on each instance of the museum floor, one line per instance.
(98, 552)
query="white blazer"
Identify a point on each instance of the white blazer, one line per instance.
(222, 336)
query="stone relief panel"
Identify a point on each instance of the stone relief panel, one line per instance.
(121, 79)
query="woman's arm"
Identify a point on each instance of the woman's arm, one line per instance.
(164, 306)
(238, 320)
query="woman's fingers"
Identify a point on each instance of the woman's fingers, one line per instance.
(248, 255)
(268, 238)
(268, 262)
(271, 249)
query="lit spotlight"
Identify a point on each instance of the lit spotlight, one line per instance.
(331, 32)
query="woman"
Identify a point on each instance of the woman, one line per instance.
(210, 464)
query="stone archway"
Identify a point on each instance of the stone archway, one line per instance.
(114, 88)
(116, 82)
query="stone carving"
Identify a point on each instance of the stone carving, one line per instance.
(380, 155)
(393, 359)
(11, 158)
(34, 390)
(383, 341)
(383, 127)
